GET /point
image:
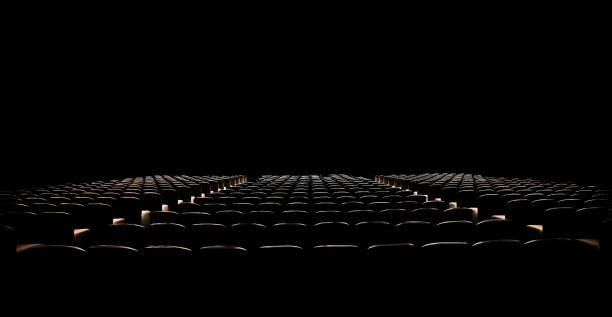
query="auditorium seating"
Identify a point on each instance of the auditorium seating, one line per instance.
(389, 216)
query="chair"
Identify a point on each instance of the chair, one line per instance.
(369, 233)
(379, 205)
(112, 252)
(519, 210)
(228, 217)
(167, 234)
(337, 252)
(331, 233)
(395, 251)
(190, 218)
(280, 251)
(356, 216)
(151, 201)
(431, 215)
(56, 228)
(496, 229)
(418, 198)
(77, 211)
(488, 205)
(328, 216)
(494, 250)
(555, 248)
(43, 207)
(457, 230)
(97, 215)
(53, 254)
(289, 233)
(458, 214)
(249, 235)
(589, 221)
(559, 222)
(466, 198)
(437, 204)
(538, 207)
(456, 251)
(222, 252)
(166, 216)
(415, 232)
(130, 235)
(295, 216)
(395, 216)
(188, 207)
(25, 224)
(407, 205)
(266, 218)
(571, 202)
(207, 234)
(243, 207)
(167, 252)
(129, 208)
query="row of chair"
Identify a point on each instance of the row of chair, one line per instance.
(456, 251)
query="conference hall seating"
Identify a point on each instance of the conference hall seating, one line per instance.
(419, 216)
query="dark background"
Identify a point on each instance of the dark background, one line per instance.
(499, 98)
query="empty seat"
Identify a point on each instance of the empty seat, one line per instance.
(554, 248)
(228, 217)
(373, 232)
(167, 252)
(207, 234)
(97, 215)
(295, 216)
(589, 221)
(64, 254)
(415, 232)
(129, 208)
(43, 207)
(249, 235)
(571, 202)
(356, 216)
(25, 224)
(112, 252)
(457, 230)
(446, 250)
(266, 218)
(437, 204)
(190, 218)
(496, 229)
(519, 210)
(559, 222)
(56, 228)
(167, 234)
(394, 216)
(337, 252)
(151, 201)
(493, 250)
(189, 207)
(280, 251)
(166, 216)
(458, 214)
(488, 205)
(332, 233)
(221, 252)
(289, 233)
(431, 215)
(328, 216)
(131, 235)
(395, 251)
